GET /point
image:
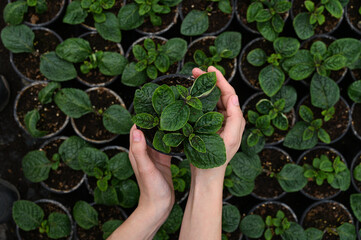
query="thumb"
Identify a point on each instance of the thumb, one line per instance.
(138, 148)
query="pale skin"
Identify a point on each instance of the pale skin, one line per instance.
(203, 214)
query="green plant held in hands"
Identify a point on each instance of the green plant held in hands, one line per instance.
(305, 22)
(152, 59)
(196, 22)
(14, 11)
(226, 46)
(268, 16)
(272, 76)
(180, 115)
(171, 225)
(29, 216)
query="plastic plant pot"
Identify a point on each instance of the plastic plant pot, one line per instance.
(355, 5)
(353, 109)
(8, 195)
(356, 160)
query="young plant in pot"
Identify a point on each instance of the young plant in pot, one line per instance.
(316, 17)
(354, 92)
(51, 219)
(180, 119)
(181, 175)
(205, 17)
(105, 22)
(170, 228)
(231, 218)
(353, 15)
(272, 76)
(93, 224)
(221, 54)
(355, 202)
(152, 59)
(56, 164)
(356, 172)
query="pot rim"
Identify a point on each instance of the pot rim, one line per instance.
(353, 180)
(358, 31)
(352, 125)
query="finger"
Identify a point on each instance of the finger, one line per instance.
(159, 157)
(226, 89)
(235, 122)
(131, 157)
(197, 72)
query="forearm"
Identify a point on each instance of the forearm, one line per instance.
(203, 214)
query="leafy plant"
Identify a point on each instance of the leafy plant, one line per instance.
(357, 172)
(231, 218)
(253, 226)
(271, 77)
(355, 202)
(196, 22)
(106, 23)
(180, 176)
(354, 91)
(171, 225)
(152, 59)
(14, 11)
(322, 59)
(344, 231)
(227, 45)
(305, 22)
(133, 15)
(180, 115)
(336, 173)
(87, 217)
(268, 16)
(29, 216)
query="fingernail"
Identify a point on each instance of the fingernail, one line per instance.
(136, 136)
(235, 100)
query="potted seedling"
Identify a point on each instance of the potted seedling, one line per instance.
(268, 67)
(231, 218)
(96, 221)
(43, 217)
(206, 17)
(354, 92)
(356, 172)
(148, 17)
(181, 119)
(34, 12)
(105, 22)
(181, 176)
(326, 171)
(55, 164)
(171, 226)
(220, 52)
(353, 15)
(263, 17)
(328, 220)
(151, 57)
(316, 17)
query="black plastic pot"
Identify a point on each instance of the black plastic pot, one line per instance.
(4, 92)
(121, 51)
(316, 148)
(353, 165)
(357, 134)
(44, 185)
(358, 230)
(21, 75)
(58, 204)
(18, 120)
(347, 10)
(8, 195)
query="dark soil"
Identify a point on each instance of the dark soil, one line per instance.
(357, 162)
(326, 215)
(35, 18)
(353, 14)
(105, 213)
(331, 22)
(97, 43)
(356, 118)
(338, 124)
(217, 19)
(91, 124)
(325, 190)
(48, 208)
(278, 135)
(334, 75)
(356, 73)
(89, 21)
(273, 161)
(29, 63)
(251, 72)
(236, 235)
(271, 209)
(204, 44)
(64, 178)
(51, 118)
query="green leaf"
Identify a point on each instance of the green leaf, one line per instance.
(74, 50)
(73, 102)
(282, 6)
(230, 41)
(117, 119)
(175, 49)
(128, 193)
(197, 143)
(294, 138)
(187, 68)
(139, 52)
(355, 202)
(318, 47)
(301, 57)
(354, 91)
(109, 227)
(69, 149)
(325, 92)
(287, 93)
(246, 167)
(174, 116)
(267, 31)
(75, 14)
(225, 6)
(158, 142)
(31, 119)
(280, 122)
(55, 68)
(195, 103)
(294, 232)
(152, 72)
(252, 116)
(302, 26)
(348, 47)
(301, 71)
(174, 220)
(230, 218)
(263, 122)
(204, 85)
(291, 178)
(199, 57)
(85, 215)
(131, 77)
(257, 57)
(112, 64)
(90, 158)
(129, 17)
(162, 97)
(335, 62)
(252, 11)
(173, 139)
(46, 94)
(264, 106)
(36, 166)
(357, 173)
(335, 8)
(18, 39)
(14, 12)
(271, 79)
(277, 23)
(253, 139)
(145, 120)
(286, 46)
(210, 122)
(195, 23)
(240, 187)
(59, 225)
(215, 152)
(187, 130)
(313, 234)
(143, 99)
(263, 15)
(108, 197)
(120, 166)
(252, 149)
(346, 231)
(27, 215)
(306, 113)
(209, 102)
(342, 180)
(252, 226)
